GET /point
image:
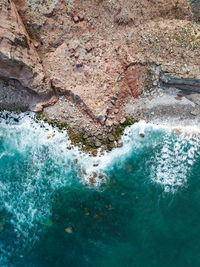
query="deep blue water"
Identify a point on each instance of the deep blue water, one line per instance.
(145, 211)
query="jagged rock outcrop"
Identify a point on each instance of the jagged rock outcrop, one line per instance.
(18, 58)
(187, 85)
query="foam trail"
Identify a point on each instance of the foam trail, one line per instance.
(174, 161)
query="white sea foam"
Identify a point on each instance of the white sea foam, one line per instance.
(174, 161)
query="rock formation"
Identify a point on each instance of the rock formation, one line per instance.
(18, 59)
(96, 54)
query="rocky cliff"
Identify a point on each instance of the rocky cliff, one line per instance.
(20, 65)
(92, 56)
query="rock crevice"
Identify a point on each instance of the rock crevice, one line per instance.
(187, 85)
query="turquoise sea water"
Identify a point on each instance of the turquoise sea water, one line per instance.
(145, 211)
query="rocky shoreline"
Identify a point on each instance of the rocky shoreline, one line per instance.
(97, 70)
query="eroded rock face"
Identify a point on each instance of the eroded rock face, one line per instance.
(18, 58)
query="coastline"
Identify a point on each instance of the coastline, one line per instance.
(94, 73)
(168, 107)
(91, 164)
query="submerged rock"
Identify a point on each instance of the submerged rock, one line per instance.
(69, 230)
(101, 176)
(96, 165)
(94, 175)
(92, 181)
(120, 144)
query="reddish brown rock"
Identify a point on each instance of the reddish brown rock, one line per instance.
(18, 58)
(120, 144)
(92, 181)
(116, 53)
(19, 62)
(94, 175)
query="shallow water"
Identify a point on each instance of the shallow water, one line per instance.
(143, 212)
